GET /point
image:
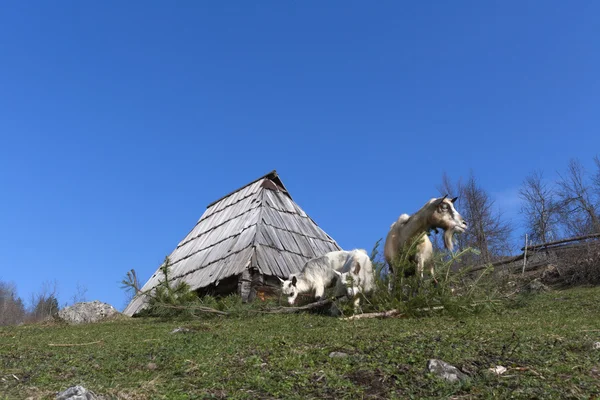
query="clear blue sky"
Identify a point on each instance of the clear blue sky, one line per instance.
(120, 121)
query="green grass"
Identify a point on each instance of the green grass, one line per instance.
(546, 345)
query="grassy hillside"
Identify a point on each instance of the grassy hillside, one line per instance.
(547, 346)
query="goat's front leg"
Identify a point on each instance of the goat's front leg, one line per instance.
(432, 272)
(356, 304)
(319, 292)
(421, 267)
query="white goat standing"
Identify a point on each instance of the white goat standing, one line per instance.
(359, 279)
(320, 273)
(436, 213)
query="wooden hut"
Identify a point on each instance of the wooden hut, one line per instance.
(244, 240)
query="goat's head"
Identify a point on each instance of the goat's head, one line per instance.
(288, 287)
(445, 216)
(350, 281)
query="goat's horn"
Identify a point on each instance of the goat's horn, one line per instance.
(281, 280)
(441, 200)
(454, 199)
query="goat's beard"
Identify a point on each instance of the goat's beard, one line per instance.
(448, 235)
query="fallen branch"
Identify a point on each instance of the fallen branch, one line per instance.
(290, 310)
(195, 308)
(73, 344)
(384, 314)
(434, 308)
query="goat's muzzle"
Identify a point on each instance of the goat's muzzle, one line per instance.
(460, 228)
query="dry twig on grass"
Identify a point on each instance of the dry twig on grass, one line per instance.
(530, 370)
(195, 308)
(384, 314)
(74, 344)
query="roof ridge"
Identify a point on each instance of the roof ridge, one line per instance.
(271, 175)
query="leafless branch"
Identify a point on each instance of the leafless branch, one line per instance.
(540, 208)
(578, 203)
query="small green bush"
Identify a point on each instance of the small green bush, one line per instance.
(455, 292)
(169, 299)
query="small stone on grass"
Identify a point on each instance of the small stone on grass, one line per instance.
(337, 354)
(446, 371)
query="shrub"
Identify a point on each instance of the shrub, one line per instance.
(169, 299)
(578, 265)
(456, 292)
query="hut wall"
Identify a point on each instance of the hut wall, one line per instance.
(249, 280)
(224, 288)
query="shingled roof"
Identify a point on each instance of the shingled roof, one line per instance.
(257, 226)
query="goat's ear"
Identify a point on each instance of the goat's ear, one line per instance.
(294, 280)
(454, 199)
(357, 268)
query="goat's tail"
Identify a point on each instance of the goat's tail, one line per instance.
(402, 219)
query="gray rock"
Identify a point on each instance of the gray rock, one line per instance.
(550, 272)
(92, 311)
(596, 346)
(151, 366)
(77, 393)
(446, 371)
(536, 286)
(337, 354)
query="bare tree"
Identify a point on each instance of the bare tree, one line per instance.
(578, 202)
(540, 208)
(487, 232)
(596, 178)
(12, 310)
(80, 293)
(44, 304)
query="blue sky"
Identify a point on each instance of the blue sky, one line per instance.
(121, 121)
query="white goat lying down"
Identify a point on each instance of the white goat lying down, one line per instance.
(320, 273)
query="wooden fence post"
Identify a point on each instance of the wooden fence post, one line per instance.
(525, 256)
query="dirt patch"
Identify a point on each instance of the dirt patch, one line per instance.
(375, 383)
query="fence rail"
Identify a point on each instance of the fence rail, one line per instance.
(557, 242)
(537, 247)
